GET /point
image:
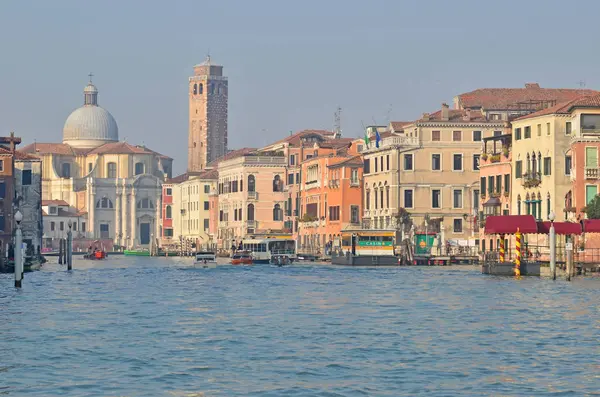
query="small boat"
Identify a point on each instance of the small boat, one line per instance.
(242, 258)
(280, 260)
(205, 260)
(136, 252)
(95, 255)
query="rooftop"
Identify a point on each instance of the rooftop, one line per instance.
(107, 148)
(583, 101)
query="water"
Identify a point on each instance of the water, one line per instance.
(151, 327)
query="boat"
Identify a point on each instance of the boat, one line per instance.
(280, 260)
(242, 258)
(95, 255)
(206, 260)
(139, 252)
(262, 249)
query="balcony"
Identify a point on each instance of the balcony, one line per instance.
(531, 179)
(334, 183)
(252, 195)
(251, 224)
(592, 173)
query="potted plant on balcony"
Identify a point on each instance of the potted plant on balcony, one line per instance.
(495, 158)
(484, 156)
(505, 152)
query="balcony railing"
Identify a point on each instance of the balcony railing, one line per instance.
(251, 223)
(253, 195)
(592, 172)
(531, 179)
(334, 183)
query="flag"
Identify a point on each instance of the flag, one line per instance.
(377, 138)
(367, 141)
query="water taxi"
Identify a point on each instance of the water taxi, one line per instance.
(242, 258)
(263, 249)
(205, 260)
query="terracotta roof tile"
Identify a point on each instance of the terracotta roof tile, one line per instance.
(107, 148)
(399, 125)
(584, 101)
(204, 175)
(507, 98)
(19, 154)
(296, 138)
(352, 160)
(455, 115)
(49, 148)
(231, 155)
(55, 202)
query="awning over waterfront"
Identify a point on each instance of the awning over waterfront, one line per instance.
(508, 224)
(561, 228)
(591, 225)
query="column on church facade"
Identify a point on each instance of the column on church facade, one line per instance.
(158, 216)
(132, 206)
(92, 210)
(118, 219)
(126, 230)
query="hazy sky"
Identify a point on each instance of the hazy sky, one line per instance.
(289, 63)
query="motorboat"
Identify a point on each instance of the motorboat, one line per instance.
(205, 260)
(281, 260)
(242, 258)
(95, 255)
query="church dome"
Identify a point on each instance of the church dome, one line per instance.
(90, 125)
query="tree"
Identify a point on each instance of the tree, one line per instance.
(403, 218)
(592, 210)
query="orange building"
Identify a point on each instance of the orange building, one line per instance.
(331, 199)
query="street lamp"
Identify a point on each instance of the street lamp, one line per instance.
(552, 242)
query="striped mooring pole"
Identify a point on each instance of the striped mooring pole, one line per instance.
(518, 260)
(502, 255)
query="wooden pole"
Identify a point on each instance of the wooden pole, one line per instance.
(60, 251)
(502, 255)
(518, 260)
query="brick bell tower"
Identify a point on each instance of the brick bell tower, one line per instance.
(208, 91)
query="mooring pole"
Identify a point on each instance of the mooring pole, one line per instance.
(518, 246)
(60, 251)
(502, 251)
(569, 249)
(552, 239)
(18, 251)
(69, 244)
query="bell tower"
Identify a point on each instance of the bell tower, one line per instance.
(208, 91)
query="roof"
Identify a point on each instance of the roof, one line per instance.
(399, 125)
(562, 228)
(510, 224)
(107, 148)
(584, 101)
(209, 174)
(122, 148)
(354, 160)
(55, 202)
(456, 115)
(231, 155)
(336, 143)
(506, 98)
(296, 138)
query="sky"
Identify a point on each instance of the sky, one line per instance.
(290, 64)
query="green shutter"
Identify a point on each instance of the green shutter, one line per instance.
(590, 193)
(591, 157)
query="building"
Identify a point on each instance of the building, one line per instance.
(118, 184)
(331, 198)
(208, 91)
(186, 210)
(57, 214)
(28, 199)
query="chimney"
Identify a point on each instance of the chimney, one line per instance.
(425, 116)
(532, 85)
(445, 115)
(467, 115)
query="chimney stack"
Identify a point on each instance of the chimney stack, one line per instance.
(467, 115)
(445, 115)
(425, 116)
(532, 85)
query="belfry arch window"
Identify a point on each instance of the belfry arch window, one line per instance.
(139, 168)
(104, 203)
(195, 88)
(144, 204)
(66, 170)
(200, 88)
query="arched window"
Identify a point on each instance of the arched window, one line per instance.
(200, 88)
(104, 203)
(144, 204)
(375, 197)
(277, 184)
(548, 205)
(251, 183)
(241, 185)
(195, 88)
(277, 213)
(66, 170)
(368, 199)
(139, 168)
(211, 88)
(250, 212)
(519, 204)
(533, 166)
(111, 170)
(169, 212)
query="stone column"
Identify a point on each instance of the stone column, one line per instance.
(118, 219)
(92, 210)
(158, 216)
(124, 206)
(132, 209)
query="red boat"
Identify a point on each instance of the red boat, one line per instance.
(242, 258)
(95, 253)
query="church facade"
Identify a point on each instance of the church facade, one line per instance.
(116, 185)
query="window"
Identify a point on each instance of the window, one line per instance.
(169, 232)
(568, 128)
(251, 183)
(475, 198)
(66, 170)
(387, 197)
(366, 166)
(62, 226)
(376, 164)
(476, 162)
(104, 230)
(168, 212)
(591, 157)
(408, 198)
(169, 191)
(1, 165)
(435, 136)
(457, 163)
(457, 198)
(292, 160)
(517, 134)
(539, 130)
(381, 159)
(207, 188)
(145, 203)
(74, 226)
(290, 179)
(206, 224)
(568, 165)
(527, 132)
(547, 166)
(456, 136)
(250, 212)
(436, 198)
(408, 162)
(83, 227)
(354, 176)
(457, 225)
(506, 183)
(590, 192)
(104, 203)
(3, 190)
(519, 169)
(498, 183)
(368, 199)
(548, 129)
(334, 213)
(491, 183)
(359, 148)
(483, 183)
(354, 214)
(206, 206)
(52, 226)
(26, 178)
(111, 170)
(436, 162)
(497, 133)
(476, 136)
(277, 213)
(388, 162)
(139, 168)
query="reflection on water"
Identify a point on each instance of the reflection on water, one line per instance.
(156, 327)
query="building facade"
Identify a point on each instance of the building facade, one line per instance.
(57, 214)
(208, 92)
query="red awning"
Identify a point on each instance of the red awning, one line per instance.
(561, 228)
(508, 224)
(591, 225)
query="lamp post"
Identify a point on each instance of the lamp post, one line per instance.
(18, 250)
(552, 241)
(69, 253)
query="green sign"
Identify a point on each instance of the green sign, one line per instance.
(374, 243)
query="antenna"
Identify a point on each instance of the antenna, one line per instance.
(387, 115)
(337, 123)
(581, 83)
(90, 76)
(374, 121)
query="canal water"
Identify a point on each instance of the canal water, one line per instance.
(156, 327)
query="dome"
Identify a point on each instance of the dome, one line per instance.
(90, 125)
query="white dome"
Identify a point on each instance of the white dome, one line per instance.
(90, 125)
